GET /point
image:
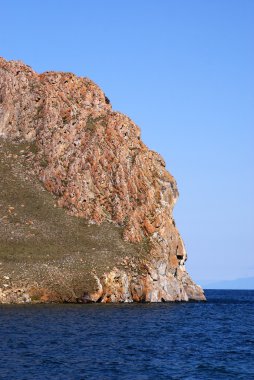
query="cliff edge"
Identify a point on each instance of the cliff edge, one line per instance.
(85, 206)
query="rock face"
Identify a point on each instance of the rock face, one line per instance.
(93, 162)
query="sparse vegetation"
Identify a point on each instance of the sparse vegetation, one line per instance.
(39, 241)
(92, 123)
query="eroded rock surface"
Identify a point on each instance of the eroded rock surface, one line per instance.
(93, 162)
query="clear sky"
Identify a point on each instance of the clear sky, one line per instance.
(183, 70)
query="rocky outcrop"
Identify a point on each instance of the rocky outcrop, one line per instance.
(93, 162)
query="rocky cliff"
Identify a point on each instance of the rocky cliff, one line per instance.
(85, 206)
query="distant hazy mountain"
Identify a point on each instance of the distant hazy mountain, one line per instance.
(240, 283)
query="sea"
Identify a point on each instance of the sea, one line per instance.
(206, 340)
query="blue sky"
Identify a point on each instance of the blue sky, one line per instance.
(184, 72)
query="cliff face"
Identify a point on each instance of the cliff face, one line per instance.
(92, 161)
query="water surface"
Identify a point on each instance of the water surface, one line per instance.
(213, 340)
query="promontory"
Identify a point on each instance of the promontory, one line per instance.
(85, 207)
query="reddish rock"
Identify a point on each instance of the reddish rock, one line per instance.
(94, 161)
(149, 227)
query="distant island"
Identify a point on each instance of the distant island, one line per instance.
(86, 207)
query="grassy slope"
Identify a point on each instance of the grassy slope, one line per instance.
(40, 242)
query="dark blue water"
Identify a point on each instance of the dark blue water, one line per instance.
(213, 340)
